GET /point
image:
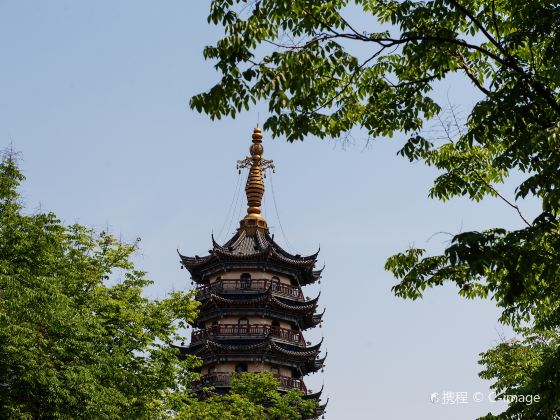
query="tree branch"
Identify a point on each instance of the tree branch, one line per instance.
(511, 61)
(471, 76)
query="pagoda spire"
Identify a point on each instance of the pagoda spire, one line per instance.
(254, 188)
(253, 310)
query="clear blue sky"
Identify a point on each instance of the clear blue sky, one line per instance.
(94, 95)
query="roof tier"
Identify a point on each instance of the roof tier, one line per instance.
(267, 297)
(251, 249)
(302, 313)
(305, 359)
(303, 321)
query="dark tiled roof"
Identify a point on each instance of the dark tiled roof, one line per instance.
(262, 298)
(243, 244)
(260, 242)
(307, 358)
(252, 246)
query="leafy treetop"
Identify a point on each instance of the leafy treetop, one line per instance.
(77, 337)
(253, 396)
(323, 75)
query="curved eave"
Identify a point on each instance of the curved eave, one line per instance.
(260, 298)
(309, 306)
(321, 408)
(314, 365)
(219, 262)
(314, 348)
(307, 261)
(206, 346)
(301, 353)
(258, 246)
(310, 302)
(304, 320)
(317, 273)
(255, 300)
(269, 254)
(193, 350)
(320, 363)
(193, 262)
(315, 396)
(317, 318)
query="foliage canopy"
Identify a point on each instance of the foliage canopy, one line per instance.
(253, 396)
(322, 74)
(77, 338)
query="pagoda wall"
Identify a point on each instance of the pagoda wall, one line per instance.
(229, 367)
(253, 320)
(257, 275)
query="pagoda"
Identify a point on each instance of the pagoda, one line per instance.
(253, 311)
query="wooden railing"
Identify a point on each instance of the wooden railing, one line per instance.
(250, 285)
(249, 331)
(216, 379)
(224, 378)
(292, 383)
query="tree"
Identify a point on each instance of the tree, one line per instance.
(526, 374)
(77, 338)
(252, 396)
(323, 75)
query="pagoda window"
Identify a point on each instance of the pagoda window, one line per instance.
(275, 283)
(241, 367)
(243, 325)
(245, 281)
(275, 370)
(275, 324)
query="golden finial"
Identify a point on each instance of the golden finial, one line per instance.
(255, 183)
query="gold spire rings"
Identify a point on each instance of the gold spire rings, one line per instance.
(254, 188)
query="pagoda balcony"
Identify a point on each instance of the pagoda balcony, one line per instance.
(223, 379)
(248, 286)
(249, 331)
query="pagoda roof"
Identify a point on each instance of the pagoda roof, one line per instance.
(307, 358)
(251, 248)
(295, 351)
(266, 297)
(321, 408)
(246, 243)
(304, 320)
(316, 396)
